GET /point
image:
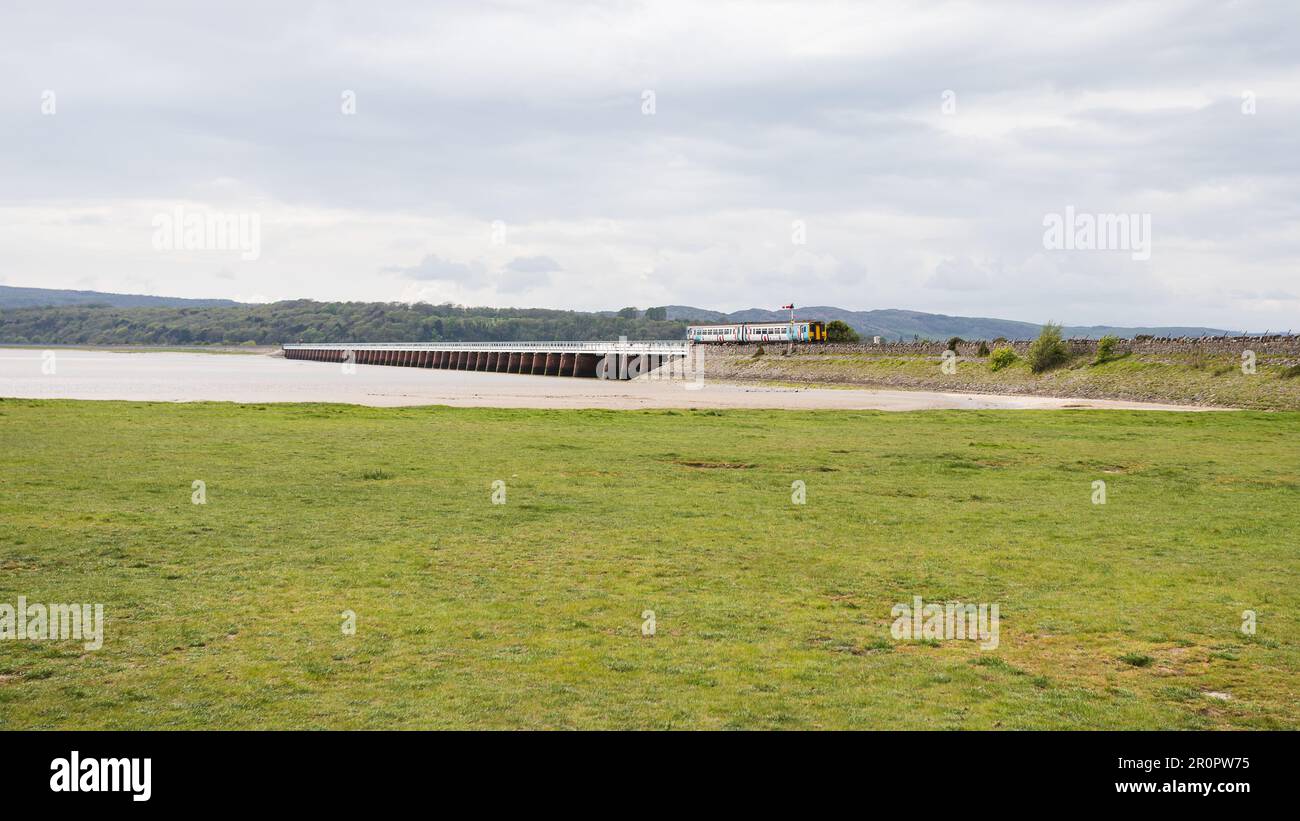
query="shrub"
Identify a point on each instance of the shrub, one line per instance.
(1106, 348)
(839, 331)
(1001, 340)
(1001, 358)
(758, 351)
(982, 350)
(1291, 372)
(954, 342)
(1048, 350)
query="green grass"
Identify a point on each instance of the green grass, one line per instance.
(528, 614)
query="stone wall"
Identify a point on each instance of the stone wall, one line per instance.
(1277, 344)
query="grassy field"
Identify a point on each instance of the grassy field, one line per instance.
(1185, 379)
(529, 613)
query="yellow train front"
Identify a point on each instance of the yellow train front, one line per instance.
(801, 330)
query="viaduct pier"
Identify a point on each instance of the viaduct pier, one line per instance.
(594, 360)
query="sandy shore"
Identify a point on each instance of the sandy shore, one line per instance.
(183, 377)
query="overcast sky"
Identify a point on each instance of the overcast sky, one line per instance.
(596, 155)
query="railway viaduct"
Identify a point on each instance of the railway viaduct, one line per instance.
(596, 360)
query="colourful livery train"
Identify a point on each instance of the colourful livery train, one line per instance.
(801, 330)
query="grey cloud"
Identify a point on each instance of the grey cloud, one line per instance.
(533, 265)
(526, 274)
(435, 267)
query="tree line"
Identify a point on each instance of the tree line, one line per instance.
(310, 321)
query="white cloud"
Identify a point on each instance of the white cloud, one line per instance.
(530, 114)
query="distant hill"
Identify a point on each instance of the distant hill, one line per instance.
(11, 297)
(42, 315)
(893, 323)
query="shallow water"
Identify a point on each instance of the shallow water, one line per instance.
(193, 377)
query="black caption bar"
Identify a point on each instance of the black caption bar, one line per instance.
(146, 771)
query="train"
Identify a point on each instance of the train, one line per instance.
(803, 330)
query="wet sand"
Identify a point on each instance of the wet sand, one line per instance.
(185, 377)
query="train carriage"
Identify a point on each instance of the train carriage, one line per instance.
(803, 330)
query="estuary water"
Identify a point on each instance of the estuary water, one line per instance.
(66, 373)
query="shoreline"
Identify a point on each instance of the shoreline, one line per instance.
(182, 377)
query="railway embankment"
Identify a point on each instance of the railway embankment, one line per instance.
(1261, 373)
